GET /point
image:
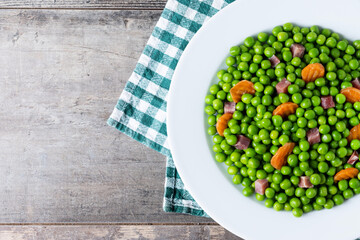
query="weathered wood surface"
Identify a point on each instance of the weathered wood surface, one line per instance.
(96, 232)
(85, 4)
(61, 74)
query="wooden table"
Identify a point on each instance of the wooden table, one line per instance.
(65, 174)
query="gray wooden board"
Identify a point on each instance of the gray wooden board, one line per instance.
(191, 232)
(61, 74)
(85, 4)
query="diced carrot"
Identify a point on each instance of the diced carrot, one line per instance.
(285, 109)
(354, 133)
(280, 157)
(352, 94)
(222, 123)
(312, 72)
(241, 88)
(346, 174)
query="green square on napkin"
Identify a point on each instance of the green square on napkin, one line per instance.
(141, 109)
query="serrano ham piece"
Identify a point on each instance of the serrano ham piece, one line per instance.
(242, 143)
(305, 182)
(356, 83)
(274, 60)
(327, 102)
(313, 136)
(229, 107)
(282, 86)
(261, 185)
(353, 158)
(297, 50)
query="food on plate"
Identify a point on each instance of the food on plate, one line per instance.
(280, 157)
(346, 174)
(284, 117)
(352, 94)
(240, 89)
(312, 72)
(285, 109)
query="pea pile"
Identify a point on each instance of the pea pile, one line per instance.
(253, 117)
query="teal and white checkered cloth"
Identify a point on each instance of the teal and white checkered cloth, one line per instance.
(141, 109)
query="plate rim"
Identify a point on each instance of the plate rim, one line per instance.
(172, 124)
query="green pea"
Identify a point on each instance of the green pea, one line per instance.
(306, 103)
(300, 82)
(331, 76)
(332, 189)
(331, 42)
(335, 53)
(290, 191)
(285, 184)
(296, 98)
(248, 191)
(301, 133)
(263, 37)
(340, 98)
(343, 185)
(212, 130)
(269, 203)
(282, 36)
(350, 50)
(298, 37)
(311, 193)
(286, 170)
(295, 202)
(348, 193)
(209, 99)
(323, 167)
(269, 52)
(340, 126)
(287, 56)
(283, 97)
(324, 129)
(338, 199)
(232, 170)
(320, 39)
(217, 104)
(355, 144)
(209, 110)
(296, 61)
(269, 192)
(323, 148)
(354, 183)
(230, 61)
(329, 204)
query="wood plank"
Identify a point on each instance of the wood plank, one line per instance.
(87, 4)
(61, 74)
(96, 232)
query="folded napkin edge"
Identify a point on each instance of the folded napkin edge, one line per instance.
(138, 137)
(170, 206)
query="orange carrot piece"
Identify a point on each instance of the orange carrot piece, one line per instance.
(280, 157)
(354, 133)
(285, 109)
(352, 94)
(346, 174)
(312, 72)
(241, 88)
(222, 123)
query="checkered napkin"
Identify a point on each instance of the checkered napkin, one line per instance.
(141, 109)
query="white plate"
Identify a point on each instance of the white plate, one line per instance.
(208, 181)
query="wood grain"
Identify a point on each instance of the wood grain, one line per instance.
(85, 4)
(190, 232)
(61, 74)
